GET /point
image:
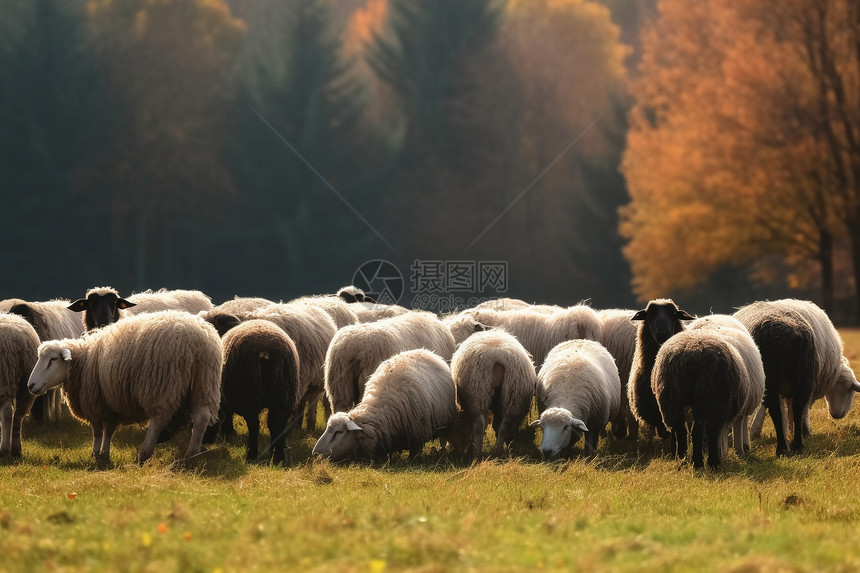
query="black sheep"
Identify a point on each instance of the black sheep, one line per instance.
(701, 371)
(786, 341)
(659, 320)
(261, 372)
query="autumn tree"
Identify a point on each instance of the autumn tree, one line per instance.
(741, 141)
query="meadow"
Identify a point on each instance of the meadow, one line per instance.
(628, 509)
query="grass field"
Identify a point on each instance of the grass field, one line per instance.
(628, 509)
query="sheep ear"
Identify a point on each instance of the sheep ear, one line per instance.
(640, 315)
(579, 425)
(368, 299)
(856, 386)
(67, 354)
(535, 423)
(352, 426)
(481, 327)
(122, 303)
(79, 305)
(684, 315)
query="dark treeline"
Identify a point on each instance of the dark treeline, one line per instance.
(271, 147)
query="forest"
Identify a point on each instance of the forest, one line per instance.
(602, 150)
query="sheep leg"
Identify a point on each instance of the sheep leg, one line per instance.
(714, 453)
(98, 434)
(590, 442)
(200, 421)
(156, 424)
(6, 428)
(251, 449)
(632, 427)
(738, 427)
(758, 421)
(23, 402)
(698, 444)
(807, 429)
(479, 423)
(108, 429)
(772, 402)
(277, 423)
(679, 436)
(505, 436)
(798, 408)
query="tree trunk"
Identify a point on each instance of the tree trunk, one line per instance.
(854, 236)
(825, 256)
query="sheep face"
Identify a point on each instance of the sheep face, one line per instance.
(662, 319)
(841, 397)
(338, 442)
(560, 430)
(52, 368)
(101, 308)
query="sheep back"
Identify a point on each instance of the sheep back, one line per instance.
(192, 301)
(261, 369)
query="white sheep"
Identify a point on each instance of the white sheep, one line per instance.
(141, 368)
(357, 350)
(618, 335)
(338, 309)
(492, 372)
(18, 347)
(372, 312)
(52, 320)
(578, 391)
(539, 330)
(409, 400)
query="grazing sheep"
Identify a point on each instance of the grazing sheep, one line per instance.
(540, 331)
(192, 301)
(618, 335)
(750, 396)
(700, 371)
(357, 350)
(503, 304)
(339, 311)
(261, 372)
(52, 320)
(579, 391)
(18, 348)
(786, 342)
(492, 372)
(409, 400)
(659, 320)
(101, 306)
(312, 329)
(144, 367)
(243, 305)
(803, 360)
(372, 312)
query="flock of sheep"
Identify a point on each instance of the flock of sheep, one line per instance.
(392, 379)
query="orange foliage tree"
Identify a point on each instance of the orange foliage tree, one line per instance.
(743, 140)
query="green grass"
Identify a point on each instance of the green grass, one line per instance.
(628, 509)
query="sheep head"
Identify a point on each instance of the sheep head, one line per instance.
(52, 367)
(841, 396)
(338, 442)
(560, 430)
(662, 319)
(100, 307)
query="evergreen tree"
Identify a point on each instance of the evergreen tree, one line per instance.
(54, 112)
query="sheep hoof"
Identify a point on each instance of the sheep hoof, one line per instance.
(102, 461)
